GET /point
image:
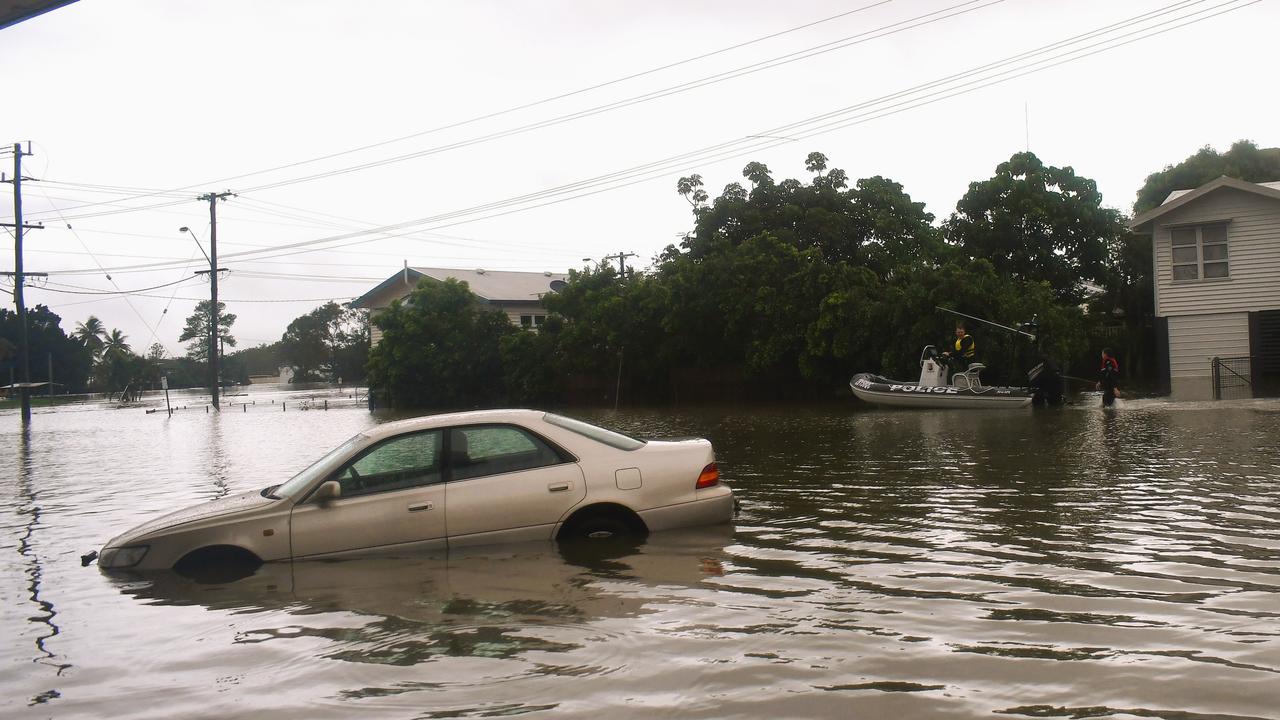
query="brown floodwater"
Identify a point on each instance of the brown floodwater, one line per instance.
(1071, 563)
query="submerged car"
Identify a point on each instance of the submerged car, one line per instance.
(472, 478)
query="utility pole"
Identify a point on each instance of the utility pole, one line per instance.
(622, 262)
(214, 315)
(19, 279)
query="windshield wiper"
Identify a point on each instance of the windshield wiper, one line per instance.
(270, 492)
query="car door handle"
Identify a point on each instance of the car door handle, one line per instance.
(421, 506)
(559, 487)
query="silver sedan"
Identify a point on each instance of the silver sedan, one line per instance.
(445, 481)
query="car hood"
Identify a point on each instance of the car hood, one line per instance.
(224, 506)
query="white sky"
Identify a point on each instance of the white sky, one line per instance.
(169, 94)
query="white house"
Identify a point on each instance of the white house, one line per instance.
(518, 294)
(1216, 253)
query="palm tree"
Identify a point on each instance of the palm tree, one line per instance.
(115, 345)
(92, 334)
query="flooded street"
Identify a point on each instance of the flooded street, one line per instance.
(1070, 563)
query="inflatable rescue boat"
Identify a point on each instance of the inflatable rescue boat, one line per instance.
(933, 391)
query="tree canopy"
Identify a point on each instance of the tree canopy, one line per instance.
(197, 330)
(328, 343)
(1038, 223)
(1243, 161)
(440, 348)
(789, 286)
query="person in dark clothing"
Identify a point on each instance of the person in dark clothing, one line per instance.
(965, 352)
(1109, 378)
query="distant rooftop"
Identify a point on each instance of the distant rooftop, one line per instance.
(491, 285)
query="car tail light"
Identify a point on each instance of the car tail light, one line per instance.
(710, 476)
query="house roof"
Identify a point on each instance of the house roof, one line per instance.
(1178, 198)
(15, 11)
(491, 285)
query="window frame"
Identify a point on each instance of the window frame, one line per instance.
(1199, 245)
(333, 475)
(563, 455)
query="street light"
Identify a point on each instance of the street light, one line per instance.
(185, 229)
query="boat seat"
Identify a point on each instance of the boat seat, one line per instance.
(970, 378)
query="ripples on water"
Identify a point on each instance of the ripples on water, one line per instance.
(1064, 564)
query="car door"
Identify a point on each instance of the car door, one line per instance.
(392, 497)
(506, 484)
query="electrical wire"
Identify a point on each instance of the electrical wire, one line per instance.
(849, 41)
(99, 264)
(884, 31)
(151, 192)
(81, 290)
(737, 148)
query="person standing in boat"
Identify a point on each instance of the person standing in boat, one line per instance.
(966, 351)
(1109, 378)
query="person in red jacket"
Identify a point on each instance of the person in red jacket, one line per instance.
(1109, 378)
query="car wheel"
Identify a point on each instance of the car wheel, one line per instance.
(218, 564)
(601, 527)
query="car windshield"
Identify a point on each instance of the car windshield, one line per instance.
(320, 467)
(599, 434)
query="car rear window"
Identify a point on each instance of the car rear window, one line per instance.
(595, 432)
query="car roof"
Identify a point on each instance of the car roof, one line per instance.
(470, 417)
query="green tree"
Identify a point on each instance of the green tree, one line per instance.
(440, 347)
(92, 333)
(1037, 223)
(874, 224)
(197, 330)
(326, 344)
(1243, 161)
(47, 342)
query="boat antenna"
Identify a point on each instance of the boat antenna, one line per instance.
(988, 322)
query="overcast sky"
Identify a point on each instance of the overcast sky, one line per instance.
(142, 105)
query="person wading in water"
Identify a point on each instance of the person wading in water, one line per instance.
(1109, 378)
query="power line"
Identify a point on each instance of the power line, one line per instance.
(81, 290)
(151, 192)
(867, 36)
(849, 41)
(737, 148)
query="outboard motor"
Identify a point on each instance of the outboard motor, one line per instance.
(933, 372)
(1046, 384)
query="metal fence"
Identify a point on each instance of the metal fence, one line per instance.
(1231, 378)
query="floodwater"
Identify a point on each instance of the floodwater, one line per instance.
(1071, 563)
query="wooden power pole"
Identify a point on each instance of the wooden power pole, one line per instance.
(215, 383)
(24, 350)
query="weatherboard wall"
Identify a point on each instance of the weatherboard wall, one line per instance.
(1253, 257)
(1194, 340)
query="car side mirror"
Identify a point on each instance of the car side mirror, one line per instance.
(328, 490)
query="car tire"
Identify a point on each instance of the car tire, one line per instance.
(601, 527)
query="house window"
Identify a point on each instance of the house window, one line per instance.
(532, 321)
(1199, 252)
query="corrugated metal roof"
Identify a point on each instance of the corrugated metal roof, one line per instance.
(499, 285)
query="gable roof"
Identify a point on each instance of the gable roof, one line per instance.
(1178, 198)
(495, 286)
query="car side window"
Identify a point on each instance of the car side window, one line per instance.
(395, 464)
(496, 449)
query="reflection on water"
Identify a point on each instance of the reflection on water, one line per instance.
(1071, 563)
